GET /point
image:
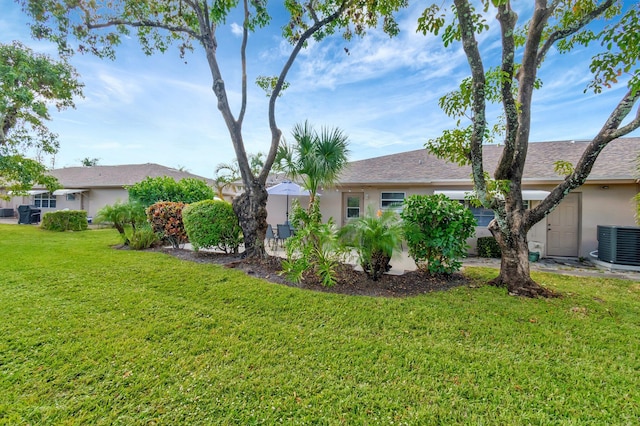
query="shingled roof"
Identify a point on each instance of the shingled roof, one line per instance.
(618, 161)
(116, 176)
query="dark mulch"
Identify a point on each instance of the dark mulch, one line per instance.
(350, 281)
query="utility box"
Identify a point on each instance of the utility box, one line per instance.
(619, 244)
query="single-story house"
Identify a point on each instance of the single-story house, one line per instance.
(570, 230)
(92, 188)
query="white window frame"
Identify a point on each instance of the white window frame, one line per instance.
(481, 212)
(45, 201)
(392, 203)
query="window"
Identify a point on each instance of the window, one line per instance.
(71, 197)
(392, 200)
(353, 207)
(483, 216)
(45, 200)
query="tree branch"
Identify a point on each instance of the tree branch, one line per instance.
(470, 46)
(621, 111)
(243, 60)
(144, 23)
(571, 29)
(507, 19)
(608, 133)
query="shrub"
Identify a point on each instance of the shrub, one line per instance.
(65, 220)
(374, 237)
(123, 215)
(166, 219)
(212, 223)
(488, 247)
(153, 190)
(315, 247)
(436, 229)
(143, 238)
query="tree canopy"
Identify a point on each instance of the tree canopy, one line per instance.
(30, 83)
(191, 24)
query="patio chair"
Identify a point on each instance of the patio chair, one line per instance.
(271, 238)
(284, 232)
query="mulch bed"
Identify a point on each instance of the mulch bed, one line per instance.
(350, 281)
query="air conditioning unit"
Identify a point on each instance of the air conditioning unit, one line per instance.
(619, 244)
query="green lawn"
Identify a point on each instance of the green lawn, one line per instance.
(93, 335)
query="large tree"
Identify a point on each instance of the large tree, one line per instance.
(552, 24)
(30, 83)
(99, 27)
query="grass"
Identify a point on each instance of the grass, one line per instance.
(93, 335)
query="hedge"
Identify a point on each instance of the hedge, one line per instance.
(65, 220)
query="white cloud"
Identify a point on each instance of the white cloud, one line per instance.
(236, 29)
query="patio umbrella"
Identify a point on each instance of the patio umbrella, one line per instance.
(287, 188)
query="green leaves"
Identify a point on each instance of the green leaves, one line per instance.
(563, 168)
(165, 188)
(316, 158)
(212, 224)
(436, 229)
(268, 84)
(620, 60)
(375, 237)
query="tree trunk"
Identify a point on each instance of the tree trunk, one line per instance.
(251, 209)
(514, 269)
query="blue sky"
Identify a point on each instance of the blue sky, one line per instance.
(383, 95)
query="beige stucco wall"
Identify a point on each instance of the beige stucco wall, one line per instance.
(276, 208)
(98, 198)
(91, 201)
(604, 206)
(598, 206)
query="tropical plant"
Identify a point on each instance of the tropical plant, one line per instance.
(121, 216)
(165, 218)
(99, 29)
(375, 237)
(226, 174)
(436, 229)
(212, 223)
(557, 25)
(30, 84)
(89, 162)
(316, 159)
(315, 248)
(143, 237)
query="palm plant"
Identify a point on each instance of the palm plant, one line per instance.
(316, 159)
(226, 174)
(375, 237)
(122, 214)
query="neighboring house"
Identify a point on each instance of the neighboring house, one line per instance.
(570, 230)
(91, 188)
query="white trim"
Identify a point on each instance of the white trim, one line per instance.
(68, 191)
(37, 191)
(527, 194)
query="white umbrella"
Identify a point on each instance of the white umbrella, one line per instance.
(287, 188)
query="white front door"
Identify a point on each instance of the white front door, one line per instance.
(563, 225)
